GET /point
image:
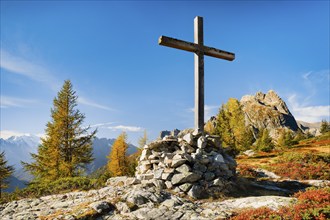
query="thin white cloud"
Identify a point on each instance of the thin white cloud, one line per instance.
(30, 69)
(125, 128)
(308, 113)
(101, 124)
(306, 75)
(317, 76)
(209, 111)
(87, 102)
(7, 102)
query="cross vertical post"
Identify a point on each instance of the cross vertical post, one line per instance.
(199, 50)
(199, 74)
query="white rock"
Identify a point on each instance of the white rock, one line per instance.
(188, 138)
(219, 158)
(144, 155)
(158, 173)
(201, 142)
(176, 163)
(183, 168)
(99, 206)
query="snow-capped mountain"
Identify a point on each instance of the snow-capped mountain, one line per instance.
(19, 148)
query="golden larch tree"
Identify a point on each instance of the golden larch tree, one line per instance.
(118, 163)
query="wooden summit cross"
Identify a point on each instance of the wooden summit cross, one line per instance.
(200, 50)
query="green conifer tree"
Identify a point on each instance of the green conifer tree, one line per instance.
(143, 140)
(67, 147)
(5, 172)
(325, 127)
(264, 142)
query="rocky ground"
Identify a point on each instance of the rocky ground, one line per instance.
(122, 198)
(173, 178)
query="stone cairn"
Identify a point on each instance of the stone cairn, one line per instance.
(189, 163)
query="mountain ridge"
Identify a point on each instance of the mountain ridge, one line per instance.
(269, 110)
(18, 148)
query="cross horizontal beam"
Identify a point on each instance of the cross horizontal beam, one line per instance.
(192, 47)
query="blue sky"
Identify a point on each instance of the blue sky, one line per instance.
(127, 82)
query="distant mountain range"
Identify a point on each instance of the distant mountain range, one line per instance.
(18, 148)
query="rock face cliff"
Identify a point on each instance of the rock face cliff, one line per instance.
(268, 111)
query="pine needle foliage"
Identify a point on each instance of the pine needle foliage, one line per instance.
(231, 127)
(67, 147)
(143, 140)
(264, 142)
(118, 163)
(5, 172)
(325, 127)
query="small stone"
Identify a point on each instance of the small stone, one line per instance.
(177, 215)
(188, 138)
(185, 187)
(144, 168)
(122, 207)
(169, 185)
(178, 178)
(144, 154)
(153, 157)
(185, 177)
(201, 142)
(159, 184)
(187, 157)
(154, 161)
(166, 176)
(219, 158)
(199, 167)
(158, 173)
(204, 160)
(199, 151)
(100, 206)
(187, 148)
(167, 161)
(177, 189)
(176, 163)
(135, 181)
(217, 182)
(177, 157)
(196, 132)
(209, 176)
(196, 192)
(183, 168)
(215, 140)
(208, 212)
(145, 176)
(170, 203)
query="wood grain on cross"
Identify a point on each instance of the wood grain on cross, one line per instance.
(200, 50)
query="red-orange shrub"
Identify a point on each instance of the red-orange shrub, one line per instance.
(313, 204)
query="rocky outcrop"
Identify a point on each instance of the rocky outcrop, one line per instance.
(311, 128)
(122, 198)
(268, 111)
(191, 164)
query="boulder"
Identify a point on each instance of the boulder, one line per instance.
(183, 168)
(197, 192)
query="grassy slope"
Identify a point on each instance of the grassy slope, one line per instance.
(313, 146)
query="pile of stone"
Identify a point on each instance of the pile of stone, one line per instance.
(191, 163)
